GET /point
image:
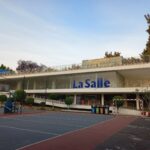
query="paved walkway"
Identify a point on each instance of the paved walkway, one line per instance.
(84, 139)
(135, 136)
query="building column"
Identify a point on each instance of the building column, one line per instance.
(137, 102)
(19, 85)
(27, 84)
(33, 95)
(102, 99)
(34, 84)
(53, 85)
(126, 101)
(75, 99)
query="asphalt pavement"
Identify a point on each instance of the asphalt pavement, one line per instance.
(136, 136)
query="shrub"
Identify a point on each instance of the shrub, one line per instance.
(53, 96)
(3, 98)
(30, 101)
(118, 101)
(19, 95)
(68, 101)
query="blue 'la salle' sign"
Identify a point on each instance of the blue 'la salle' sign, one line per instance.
(99, 83)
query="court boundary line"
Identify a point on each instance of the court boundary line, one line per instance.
(70, 132)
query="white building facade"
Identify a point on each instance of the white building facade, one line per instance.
(96, 85)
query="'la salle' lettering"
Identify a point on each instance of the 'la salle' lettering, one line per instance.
(99, 83)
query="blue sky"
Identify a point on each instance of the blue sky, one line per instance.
(60, 32)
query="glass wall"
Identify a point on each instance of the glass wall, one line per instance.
(65, 81)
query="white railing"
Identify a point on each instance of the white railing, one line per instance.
(73, 67)
(126, 99)
(58, 103)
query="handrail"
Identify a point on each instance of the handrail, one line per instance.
(72, 67)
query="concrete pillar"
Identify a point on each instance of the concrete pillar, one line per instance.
(27, 84)
(102, 99)
(70, 86)
(75, 99)
(137, 102)
(126, 101)
(53, 85)
(34, 84)
(33, 95)
(19, 85)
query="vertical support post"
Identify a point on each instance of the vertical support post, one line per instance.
(53, 85)
(102, 99)
(34, 84)
(137, 100)
(75, 99)
(33, 95)
(23, 84)
(46, 84)
(27, 84)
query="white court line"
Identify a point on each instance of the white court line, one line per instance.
(28, 130)
(70, 132)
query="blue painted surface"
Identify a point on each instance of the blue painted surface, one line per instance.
(23, 130)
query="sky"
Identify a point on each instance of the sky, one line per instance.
(62, 32)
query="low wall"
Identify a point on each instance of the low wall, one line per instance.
(60, 104)
(55, 103)
(125, 111)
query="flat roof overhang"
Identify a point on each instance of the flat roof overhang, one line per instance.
(87, 91)
(138, 70)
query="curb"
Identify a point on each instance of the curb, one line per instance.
(145, 113)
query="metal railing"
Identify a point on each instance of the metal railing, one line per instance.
(125, 62)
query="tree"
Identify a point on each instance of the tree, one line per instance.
(146, 52)
(29, 66)
(6, 69)
(118, 102)
(19, 95)
(68, 101)
(146, 97)
(3, 98)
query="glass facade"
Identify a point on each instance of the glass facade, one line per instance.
(66, 81)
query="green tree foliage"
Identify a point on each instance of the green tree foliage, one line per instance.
(146, 97)
(68, 101)
(146, 52)
(19, 95)
(3, 98)
(30, 101)
(118, 101)
(3, 67)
